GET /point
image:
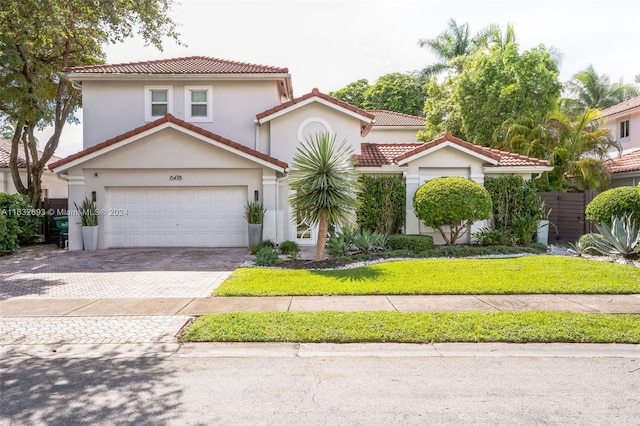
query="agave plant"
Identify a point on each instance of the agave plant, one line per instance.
(367, 241)
(621, 238)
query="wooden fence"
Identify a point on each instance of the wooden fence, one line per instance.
(54, 207)
(567, 214)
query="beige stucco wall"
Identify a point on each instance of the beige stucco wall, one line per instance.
(112, 108)
(284, 129)
(55, 188)
(613, 123)
(393, 135)
(151, 161)
(447, 161)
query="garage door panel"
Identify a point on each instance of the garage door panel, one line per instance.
(157, 217)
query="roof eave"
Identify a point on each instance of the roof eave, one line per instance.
(516, 169)
(80, 76)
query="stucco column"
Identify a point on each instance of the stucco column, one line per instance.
(76, 195)
(269, 202)
(412, 182)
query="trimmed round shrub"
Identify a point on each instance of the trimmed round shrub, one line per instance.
(451, 202)
(414, 243)
(615, 202)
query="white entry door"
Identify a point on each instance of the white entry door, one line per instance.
(176, 217)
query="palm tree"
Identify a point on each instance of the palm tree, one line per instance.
(588, 89)
(324, 179)
(455, 42)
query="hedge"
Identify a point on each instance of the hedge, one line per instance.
(615, 202)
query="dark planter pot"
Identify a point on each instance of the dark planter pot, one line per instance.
(255, 234)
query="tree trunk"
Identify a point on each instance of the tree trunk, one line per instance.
(323, 229)
(13, 160)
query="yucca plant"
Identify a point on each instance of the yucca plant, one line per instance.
(621, 238)
(88, 212)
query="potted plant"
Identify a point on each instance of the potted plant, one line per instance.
(254, 213)
(89, 216)
(543, 223)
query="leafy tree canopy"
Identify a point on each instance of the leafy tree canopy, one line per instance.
(38, 40)
(399, 92)
(496, 84)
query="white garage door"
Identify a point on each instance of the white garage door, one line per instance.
(176, 217)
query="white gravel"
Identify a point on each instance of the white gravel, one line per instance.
(552, 251)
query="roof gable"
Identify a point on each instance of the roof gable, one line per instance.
(164, 122)
(316, 96)
(400, 154)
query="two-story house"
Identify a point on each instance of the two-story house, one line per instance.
(623, 120)
(174, 149)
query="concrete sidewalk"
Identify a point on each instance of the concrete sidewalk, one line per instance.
(629, 304)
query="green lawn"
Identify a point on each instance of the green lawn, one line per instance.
(524, 275)
(423, 327)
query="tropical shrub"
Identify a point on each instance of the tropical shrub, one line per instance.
(615, 202)
(289, 248)
(254, 212)
(21, 221)
(493, 236)
(381, 204)
(414, 243)
(511, 197)
(453, 203)
(267, 256)
(622, 237)
(523, 228)
(367, 242)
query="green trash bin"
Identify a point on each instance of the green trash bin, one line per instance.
(62, 223)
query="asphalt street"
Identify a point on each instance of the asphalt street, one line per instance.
(340, 388)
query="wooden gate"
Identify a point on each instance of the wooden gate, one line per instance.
(54, 207)
(567, 214)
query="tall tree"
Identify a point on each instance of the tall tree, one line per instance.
(399, 92)
(588, 89)
(38, 41)
(453, 43)
(324, 179)
(495, 85)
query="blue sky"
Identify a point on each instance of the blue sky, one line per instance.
(327, 44)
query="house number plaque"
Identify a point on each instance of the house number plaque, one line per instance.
(175, 177)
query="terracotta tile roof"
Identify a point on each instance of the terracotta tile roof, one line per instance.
(621, 107)
(627, 162)
(168, 118)
(5, 152)
(392, 118)
(383, 154)
(316, 93)
(185, 65)
(377, 155)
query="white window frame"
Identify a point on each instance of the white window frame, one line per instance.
(625, 129)
(147, 101)
(187, 104)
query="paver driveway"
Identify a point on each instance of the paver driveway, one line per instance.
(51, 273)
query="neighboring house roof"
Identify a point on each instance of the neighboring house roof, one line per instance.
(5, 153)
(185, 65)
(378, 155)
(385, 118)
(316, 95)
(621, 107)
(628, 162)
(169, 119)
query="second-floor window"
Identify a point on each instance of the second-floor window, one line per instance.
(198, 103)
(624, 129)
(158, 101)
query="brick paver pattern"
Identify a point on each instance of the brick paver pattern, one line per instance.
(90, 330)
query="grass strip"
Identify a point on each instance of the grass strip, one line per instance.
(411, 327)
(524, 275)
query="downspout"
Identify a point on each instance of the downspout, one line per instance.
(257, 137)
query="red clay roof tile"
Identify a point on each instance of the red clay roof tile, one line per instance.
(621, 107)
(627, 162)
(5, 152)
(184, 65)
(168, 118)
(392, 118)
